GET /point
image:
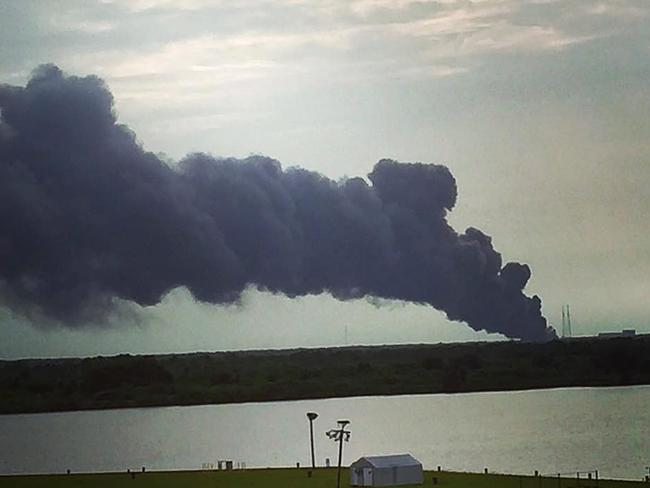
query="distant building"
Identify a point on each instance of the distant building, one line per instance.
(393, 470)
(623, 333)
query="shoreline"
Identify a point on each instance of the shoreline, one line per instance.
(476, 392)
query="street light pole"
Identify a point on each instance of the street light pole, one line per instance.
(339, 435)
(312, 416)
(338, 472)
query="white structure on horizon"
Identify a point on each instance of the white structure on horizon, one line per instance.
(393, 470)
(623, 333)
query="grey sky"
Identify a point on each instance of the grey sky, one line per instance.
(540, 108)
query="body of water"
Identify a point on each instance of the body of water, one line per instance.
(553, 431)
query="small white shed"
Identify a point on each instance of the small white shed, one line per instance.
(393, 470)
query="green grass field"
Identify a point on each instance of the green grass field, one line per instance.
(286, 478)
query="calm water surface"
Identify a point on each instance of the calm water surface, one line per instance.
(552, 431)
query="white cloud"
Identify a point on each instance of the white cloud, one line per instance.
(357, 41)
(143, 5)
(83, 26)
(619, 9)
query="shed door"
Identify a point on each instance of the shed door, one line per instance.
(367, 476)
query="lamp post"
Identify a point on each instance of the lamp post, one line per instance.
(312, 416)
(339, 435)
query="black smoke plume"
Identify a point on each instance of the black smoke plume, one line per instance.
(88, 217)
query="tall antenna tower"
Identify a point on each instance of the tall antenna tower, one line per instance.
(566, 321)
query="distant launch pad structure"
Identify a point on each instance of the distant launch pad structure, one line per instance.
(566, 321)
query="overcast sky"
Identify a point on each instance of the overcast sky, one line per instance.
(540, 108)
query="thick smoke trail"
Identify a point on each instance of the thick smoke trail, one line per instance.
(87, 216)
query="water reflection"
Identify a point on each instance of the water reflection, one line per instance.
(552, 431)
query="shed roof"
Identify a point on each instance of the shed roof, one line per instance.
(391, 460)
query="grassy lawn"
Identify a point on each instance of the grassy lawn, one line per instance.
(284, 478)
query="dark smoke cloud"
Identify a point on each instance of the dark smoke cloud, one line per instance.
(88, 217)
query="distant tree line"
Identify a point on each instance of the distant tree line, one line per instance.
(227, 377)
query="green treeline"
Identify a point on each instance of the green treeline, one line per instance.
(231, 377)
